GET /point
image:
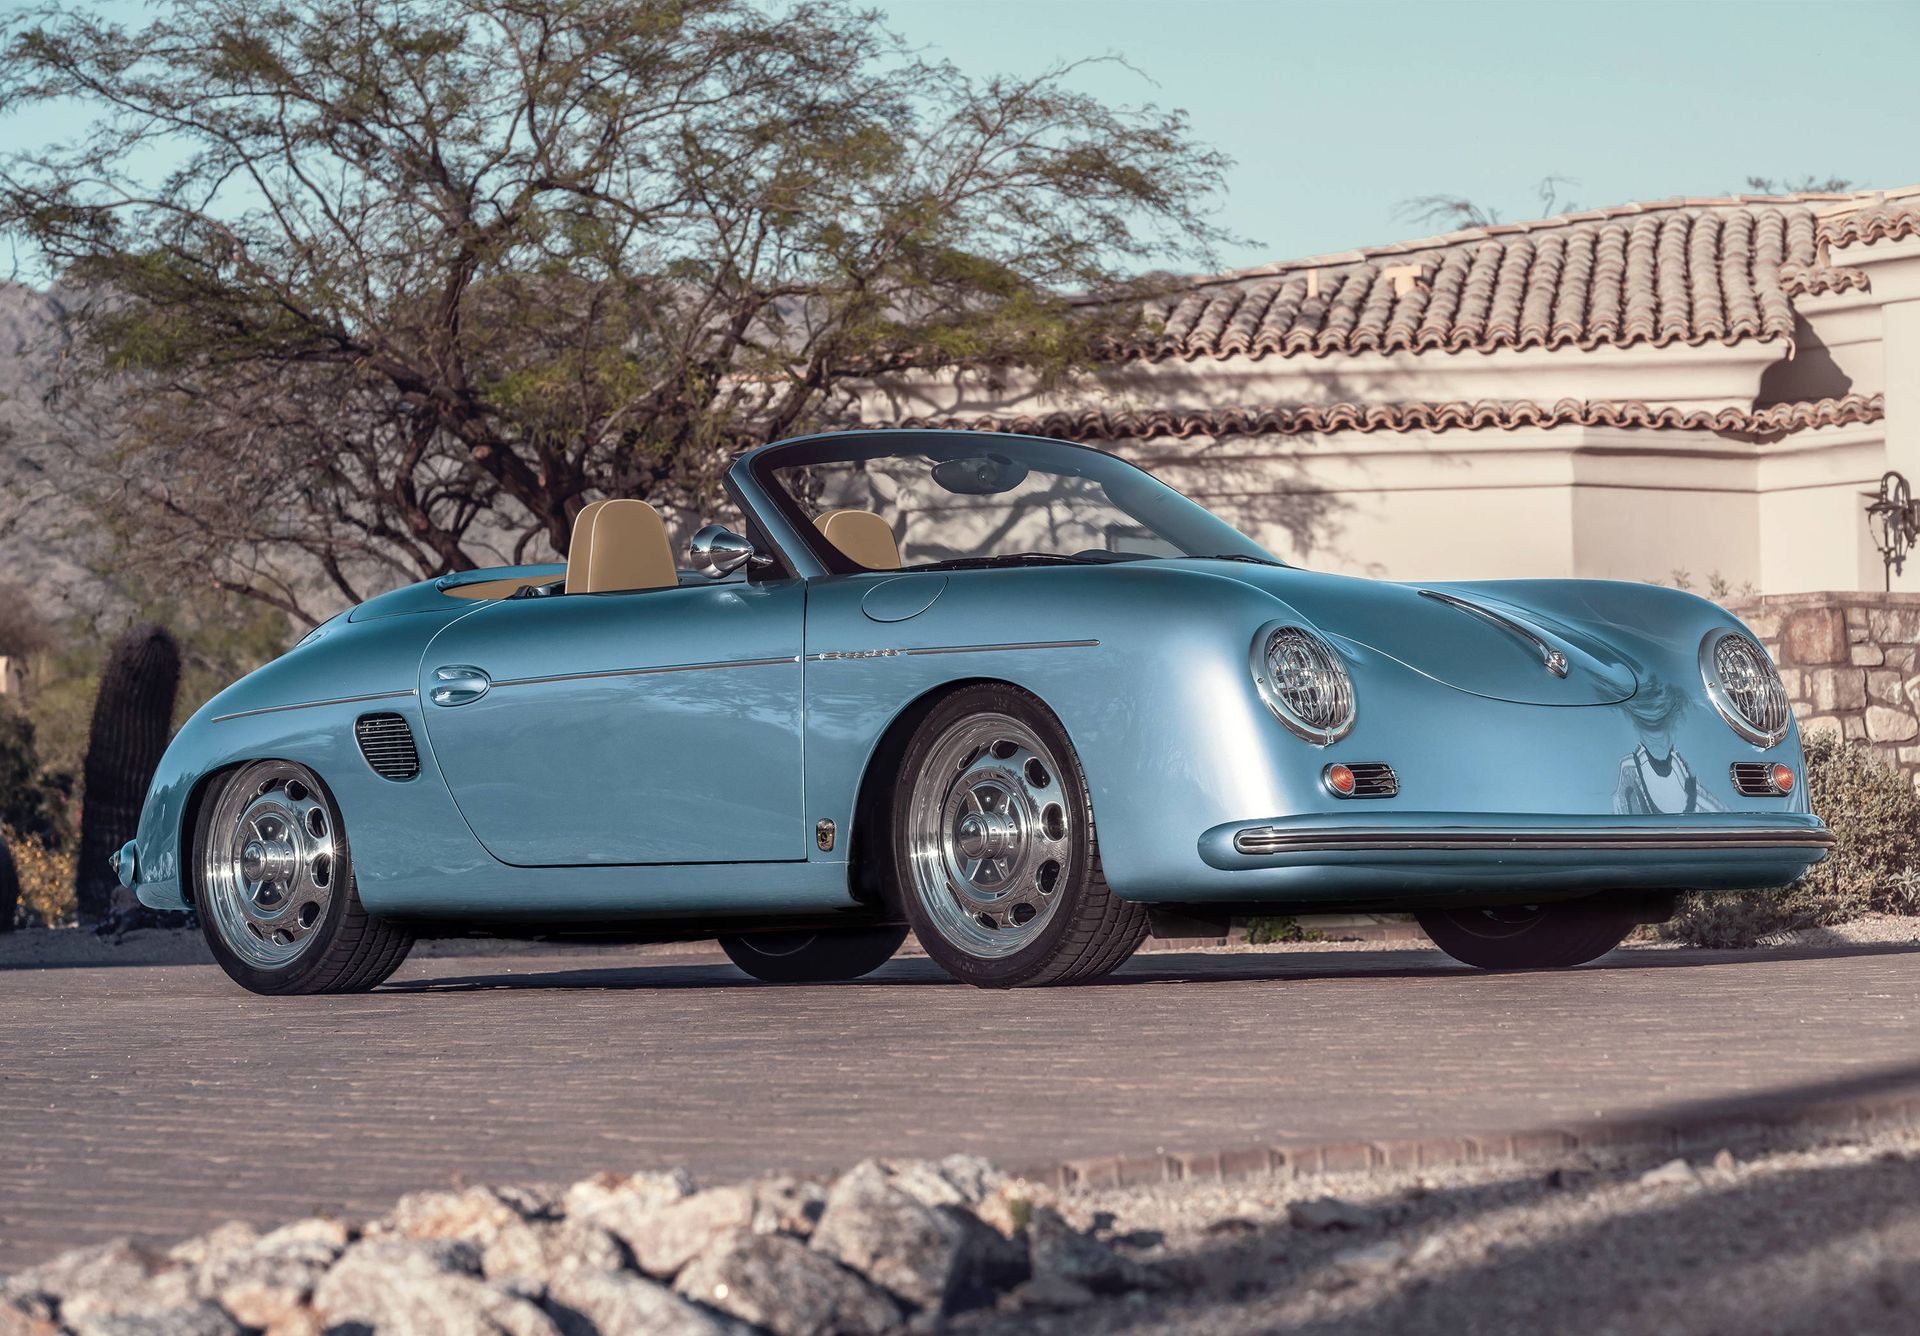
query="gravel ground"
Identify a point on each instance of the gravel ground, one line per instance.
(1820, 1240)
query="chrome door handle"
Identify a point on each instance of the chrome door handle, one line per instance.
(458, 684)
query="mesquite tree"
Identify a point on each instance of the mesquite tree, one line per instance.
(132, 718)
(396, 286)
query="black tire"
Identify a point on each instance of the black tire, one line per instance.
(1074, 932)
(1530, 937)
(829, 956)
(344, 949)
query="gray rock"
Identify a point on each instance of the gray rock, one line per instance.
(1046, 1294)
(647, 1189)
(1328, 1213)
(664, 1238)
(1674, 1173)
(402, 1287)
(267, 1283)
(531, 1250)
(779, 1283)
(1376, 1259)
(1058, 1251)
(114, 1267)
(587, 1301)
(938, 1257)
(201, 1319)
(957, 1180)
(233, 1236)
(19, 1322)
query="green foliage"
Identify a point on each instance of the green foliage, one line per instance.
(32, 801)
(1874, 866)
(424, 276)
(1261, 931)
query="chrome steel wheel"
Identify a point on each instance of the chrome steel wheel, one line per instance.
(272, 863)
(990, 835)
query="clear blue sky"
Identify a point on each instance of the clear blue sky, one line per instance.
(1334, 112)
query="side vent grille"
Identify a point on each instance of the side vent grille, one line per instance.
(1374, 779)
(1754, 779)
(387, 743)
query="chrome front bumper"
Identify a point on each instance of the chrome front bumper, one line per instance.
(1260, 840)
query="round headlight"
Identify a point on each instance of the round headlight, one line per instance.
(1303, 682)
(1744, 688)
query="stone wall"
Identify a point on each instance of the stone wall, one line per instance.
(1851, 662)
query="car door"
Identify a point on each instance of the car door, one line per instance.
(651, 726)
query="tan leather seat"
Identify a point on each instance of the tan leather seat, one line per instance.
(579, 545)
(627, 549)
(861, 535)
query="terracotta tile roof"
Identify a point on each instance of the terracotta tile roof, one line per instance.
(1104, 425)
(1680, 271)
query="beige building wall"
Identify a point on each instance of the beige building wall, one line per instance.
(1771, 512)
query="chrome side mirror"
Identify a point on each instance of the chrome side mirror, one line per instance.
(717, 550)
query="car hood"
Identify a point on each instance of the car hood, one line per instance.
(1484, 648)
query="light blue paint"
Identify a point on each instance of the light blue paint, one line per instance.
(632, 794)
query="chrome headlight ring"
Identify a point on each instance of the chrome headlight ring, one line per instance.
(1302, 679)
(1744, 686)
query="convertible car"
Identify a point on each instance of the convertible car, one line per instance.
(1012, 694)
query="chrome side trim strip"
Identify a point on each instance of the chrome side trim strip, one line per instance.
(642, 672)
(1272, 840)
(311, 705)
(1031, 644)
(1550, 658)
(835, 655)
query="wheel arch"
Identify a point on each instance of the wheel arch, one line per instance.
(868, 841)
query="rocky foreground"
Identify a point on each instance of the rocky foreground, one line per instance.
(1819, 1239)
(882, 1248)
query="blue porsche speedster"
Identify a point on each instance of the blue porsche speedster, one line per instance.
(1013, 694)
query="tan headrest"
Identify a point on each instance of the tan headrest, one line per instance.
(579, 545)
(628, 549)
(862, 536)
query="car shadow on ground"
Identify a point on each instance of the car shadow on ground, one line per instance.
(1586, 1246)
(1157, 968)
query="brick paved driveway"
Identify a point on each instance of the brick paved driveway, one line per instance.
(159, 1100)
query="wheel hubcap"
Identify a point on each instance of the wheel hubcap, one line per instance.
(990, 835)
(271, 864)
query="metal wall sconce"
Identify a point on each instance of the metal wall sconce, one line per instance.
(1894, 523)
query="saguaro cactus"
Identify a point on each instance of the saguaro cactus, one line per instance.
(9, 887)
(131, 719)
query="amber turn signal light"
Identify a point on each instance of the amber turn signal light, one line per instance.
(1783, 778)
(1339, 779)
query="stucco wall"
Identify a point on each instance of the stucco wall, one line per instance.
(1851, 662)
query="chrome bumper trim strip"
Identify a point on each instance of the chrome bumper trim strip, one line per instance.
(1270, 840)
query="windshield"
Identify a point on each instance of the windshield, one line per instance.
(951, 500)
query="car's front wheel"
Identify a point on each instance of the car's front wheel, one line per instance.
(814, 957)
(273, 881)
(995, 859)
(1530, 937)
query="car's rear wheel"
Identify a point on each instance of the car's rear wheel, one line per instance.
(273, 881)
(814, 957)
(1530, 937)
(995, 859)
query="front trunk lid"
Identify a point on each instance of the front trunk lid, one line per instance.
(1458, 635)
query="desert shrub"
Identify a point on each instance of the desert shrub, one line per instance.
(1282, 928)
(1874, 866)
(32, 801)
(46, 882)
